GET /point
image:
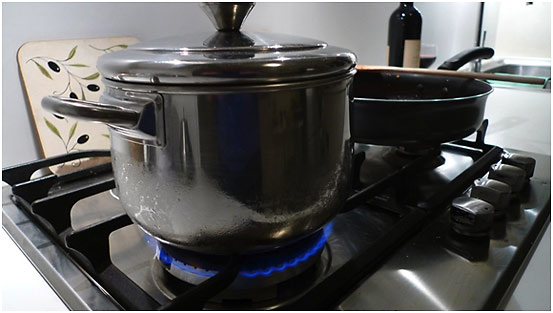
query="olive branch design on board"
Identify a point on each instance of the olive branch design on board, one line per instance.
(50, 67)
(109, 49)
(54, 65)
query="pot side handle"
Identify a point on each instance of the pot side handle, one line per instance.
(91, 111)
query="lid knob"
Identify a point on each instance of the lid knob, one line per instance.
(227, 16)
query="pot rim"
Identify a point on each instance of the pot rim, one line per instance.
(221, 89)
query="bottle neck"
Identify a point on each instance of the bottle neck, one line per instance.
(406, 4)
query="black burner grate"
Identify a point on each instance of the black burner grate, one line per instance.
(49, 200)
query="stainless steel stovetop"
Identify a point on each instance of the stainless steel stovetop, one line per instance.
(393, 248)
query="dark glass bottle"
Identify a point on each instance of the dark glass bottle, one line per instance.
(404, 36)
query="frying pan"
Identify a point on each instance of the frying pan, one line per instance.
(418, 110)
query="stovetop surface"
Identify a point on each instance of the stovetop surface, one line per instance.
(428, 266)
(436, 270)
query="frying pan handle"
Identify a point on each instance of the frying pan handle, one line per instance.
(458, 60)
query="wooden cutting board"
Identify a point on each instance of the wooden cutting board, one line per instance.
(66, 68)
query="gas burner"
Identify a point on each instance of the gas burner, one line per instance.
(268, 297)
(400, 156)
(260, 269)
(381, 161)
(262, 277)
(417, 151)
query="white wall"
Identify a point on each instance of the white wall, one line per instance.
(453, 27)
(517, 29)
(361, 27)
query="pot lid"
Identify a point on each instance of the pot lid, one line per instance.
(227, 56)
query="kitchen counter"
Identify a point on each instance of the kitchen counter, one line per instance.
(519, 119)
(20, 279)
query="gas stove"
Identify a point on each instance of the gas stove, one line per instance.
(445, 228)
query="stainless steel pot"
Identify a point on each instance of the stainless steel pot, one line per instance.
(227, 143)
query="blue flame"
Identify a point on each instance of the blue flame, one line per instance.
(165, 258)
(295, 261)
(168, 260)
